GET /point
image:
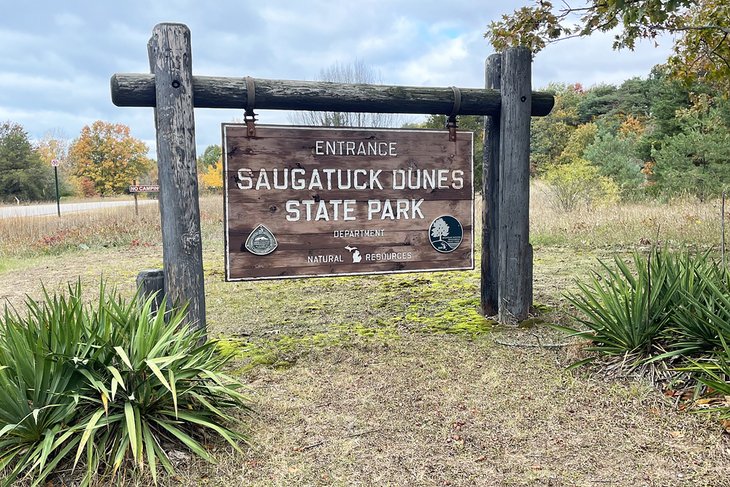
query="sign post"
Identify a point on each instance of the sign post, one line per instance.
(142, 188)
(136, 203)
(173, 91)
(54, 163)
(310, 202)
(170, 55)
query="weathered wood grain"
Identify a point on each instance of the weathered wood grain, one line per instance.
(151, 282)
(295, 148)
(137, 90)
(515, 265)
(171, 64)
(490, 197)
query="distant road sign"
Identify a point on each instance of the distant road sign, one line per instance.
(54, 162)
(144, 188)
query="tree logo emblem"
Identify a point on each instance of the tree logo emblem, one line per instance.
(261, 241)
(445, 234)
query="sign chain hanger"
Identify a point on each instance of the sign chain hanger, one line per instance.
(249, 116)
(451, 122)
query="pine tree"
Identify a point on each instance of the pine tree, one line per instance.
(22, 174)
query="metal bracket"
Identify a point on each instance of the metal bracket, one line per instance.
(249, 117)
(451, 125)
(451, 122)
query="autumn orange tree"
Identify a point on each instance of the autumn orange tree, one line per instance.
(108, 158)
(700, 28)
(211, 177)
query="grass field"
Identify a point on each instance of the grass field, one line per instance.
(397, 380)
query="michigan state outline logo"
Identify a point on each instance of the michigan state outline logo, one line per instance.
(445, 234)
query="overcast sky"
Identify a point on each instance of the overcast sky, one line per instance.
(56, 58)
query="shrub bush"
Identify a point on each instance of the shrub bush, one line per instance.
(670, 305)
(714, 373)
(106, 384)
(625, 310)
(579, 183)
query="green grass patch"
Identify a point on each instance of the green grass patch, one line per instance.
(458, 317)
(284, 351)
(13, 263)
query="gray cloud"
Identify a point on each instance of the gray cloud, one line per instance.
(56, 59)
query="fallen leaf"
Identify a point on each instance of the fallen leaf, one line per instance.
(707, 400)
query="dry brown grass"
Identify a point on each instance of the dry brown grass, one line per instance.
(682, 222)
(404, 405)
(439, 411)
(25, 237)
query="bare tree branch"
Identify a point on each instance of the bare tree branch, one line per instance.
(356, 72)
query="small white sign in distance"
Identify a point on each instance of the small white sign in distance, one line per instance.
(144, 188)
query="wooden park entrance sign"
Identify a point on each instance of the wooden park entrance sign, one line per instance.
(507, 103)
(311, 202)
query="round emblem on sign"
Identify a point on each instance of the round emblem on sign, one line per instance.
(445, 234)
(261, 241)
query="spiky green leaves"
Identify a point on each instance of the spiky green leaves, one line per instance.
(105, 384)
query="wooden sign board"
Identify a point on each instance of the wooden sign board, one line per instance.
(309, 202)
(144, 188)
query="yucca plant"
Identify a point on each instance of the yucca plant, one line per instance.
(113, 383)
(702, 318)
(38, 384)
(153, 383)
(714, 373)
(680, 267)
(624, 311)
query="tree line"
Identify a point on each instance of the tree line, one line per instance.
(102, 161)
(660, 137)
(657, 137)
